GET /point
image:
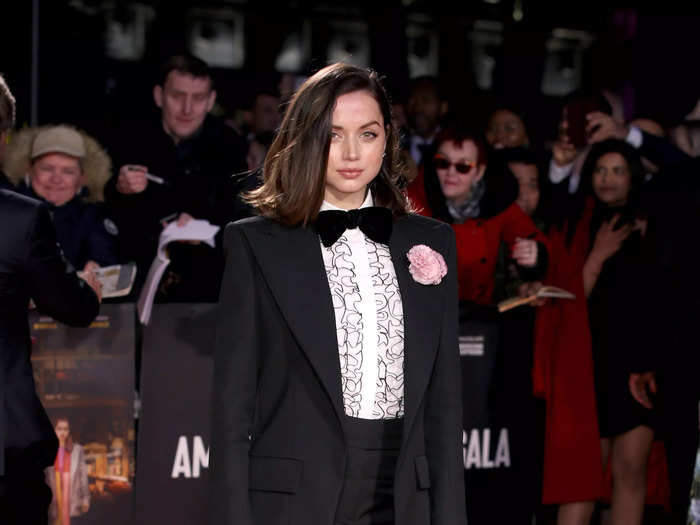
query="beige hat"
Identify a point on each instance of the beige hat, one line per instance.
(59, 139)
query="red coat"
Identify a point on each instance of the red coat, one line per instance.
(563, 376)
(478, 240)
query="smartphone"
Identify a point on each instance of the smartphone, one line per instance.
(576, 110)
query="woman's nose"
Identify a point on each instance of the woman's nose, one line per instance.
(351, 150)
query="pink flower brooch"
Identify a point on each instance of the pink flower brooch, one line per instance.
(426, 265)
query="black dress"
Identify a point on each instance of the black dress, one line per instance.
(615, 311)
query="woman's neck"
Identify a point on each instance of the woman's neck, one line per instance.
(345, 201)
(457, 202)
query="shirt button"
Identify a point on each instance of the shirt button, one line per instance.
(483, 260)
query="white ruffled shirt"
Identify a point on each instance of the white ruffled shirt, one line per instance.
(369, 323)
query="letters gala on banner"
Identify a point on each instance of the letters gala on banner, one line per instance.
(477, 449)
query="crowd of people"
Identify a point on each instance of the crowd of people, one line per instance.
(606, 211)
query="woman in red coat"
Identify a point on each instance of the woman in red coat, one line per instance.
(456, 187)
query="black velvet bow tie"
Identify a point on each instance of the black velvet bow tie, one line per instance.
(375, 222)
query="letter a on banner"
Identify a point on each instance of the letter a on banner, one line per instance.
(182, 460)
(503, 449)
(473, 452)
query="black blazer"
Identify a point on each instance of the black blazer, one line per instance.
(278, 451)
(31, 266)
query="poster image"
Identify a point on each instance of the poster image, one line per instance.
(85, 380)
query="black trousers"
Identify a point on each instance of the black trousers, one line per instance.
(368, 491)
(24, 495)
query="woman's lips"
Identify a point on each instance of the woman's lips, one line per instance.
(350, 173)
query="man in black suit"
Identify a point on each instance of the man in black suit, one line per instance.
(31, 267)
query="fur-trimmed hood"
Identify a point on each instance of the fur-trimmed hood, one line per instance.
(96, 166)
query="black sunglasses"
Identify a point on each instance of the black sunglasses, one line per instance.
(441, 163)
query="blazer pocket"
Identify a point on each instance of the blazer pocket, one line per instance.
(274, 474)
(422, 472)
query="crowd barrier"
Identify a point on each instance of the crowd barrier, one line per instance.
(501, 425)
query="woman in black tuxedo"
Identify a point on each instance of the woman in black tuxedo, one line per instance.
(337, 397)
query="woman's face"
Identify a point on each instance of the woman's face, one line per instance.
(62, 430)
(529, 193)
(56, 177)
(358, 140)
(457, 186)
(506, 130)
(612, 179)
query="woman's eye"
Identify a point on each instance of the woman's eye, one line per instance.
(369, 134)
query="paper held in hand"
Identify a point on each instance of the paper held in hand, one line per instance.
(116, 280)
(195, 230)
(545, 291)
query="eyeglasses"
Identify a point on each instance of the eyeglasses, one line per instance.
(441, 163)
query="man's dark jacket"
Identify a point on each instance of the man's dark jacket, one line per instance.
(202, 177)
(31, 267)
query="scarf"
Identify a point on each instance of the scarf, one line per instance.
(469, 209)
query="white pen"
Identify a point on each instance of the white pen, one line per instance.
(154, 178)
(149, 176)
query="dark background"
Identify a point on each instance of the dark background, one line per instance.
(647, 56)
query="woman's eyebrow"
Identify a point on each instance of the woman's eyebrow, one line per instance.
(373, 123)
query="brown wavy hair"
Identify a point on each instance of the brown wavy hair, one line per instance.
(294, 173)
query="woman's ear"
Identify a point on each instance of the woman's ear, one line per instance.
(480, 170)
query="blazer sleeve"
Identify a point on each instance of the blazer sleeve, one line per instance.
(661, 151)
(235, 381)
(443, 425)
(63, 296)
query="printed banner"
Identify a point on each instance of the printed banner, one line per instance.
(85, 380)
(173, 443)
(500, 438)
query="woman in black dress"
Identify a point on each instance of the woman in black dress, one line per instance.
(613, 281)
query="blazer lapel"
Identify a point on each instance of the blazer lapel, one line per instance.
(292, 265)
(422, 316)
